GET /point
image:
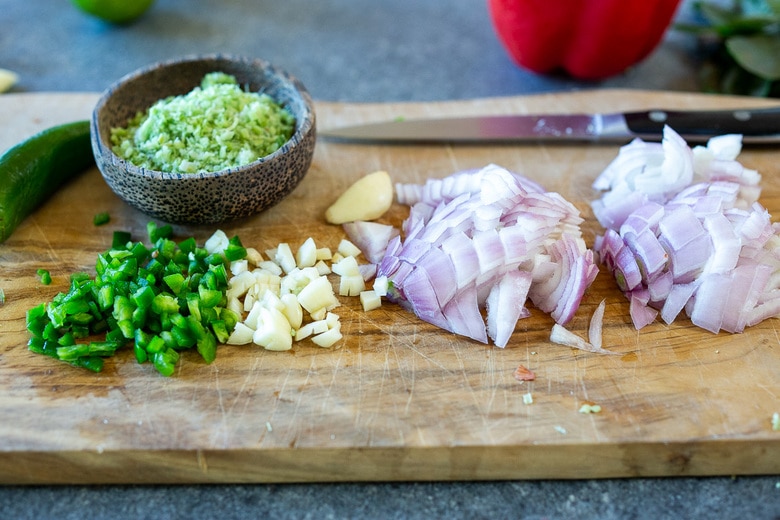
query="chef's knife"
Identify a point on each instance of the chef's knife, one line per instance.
(756, 125)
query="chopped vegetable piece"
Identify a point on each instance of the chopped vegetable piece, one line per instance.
(329, 337)
(307, 254)
(684, 232)
(156, 232)
(562, 336)
(289, 298)
(2, 296)
(596, 325)
(120, 239)
(487, 238)
(273, 332)
(528, 398)
(235, 250)
(381, 285)
(318, 294)
(521, 373)
(776, 421)
(101, 219)
(590, 408)
(44, 275)
(370, 300)
(371, 238)
(284, 257)
(131, 299)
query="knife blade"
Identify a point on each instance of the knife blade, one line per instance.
(757, 125)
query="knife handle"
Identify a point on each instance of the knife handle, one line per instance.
(748, 122)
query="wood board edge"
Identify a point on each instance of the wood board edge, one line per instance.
(463, 463)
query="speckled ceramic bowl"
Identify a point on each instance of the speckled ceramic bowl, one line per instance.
(204, 198)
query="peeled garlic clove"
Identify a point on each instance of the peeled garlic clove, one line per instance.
(367, 199)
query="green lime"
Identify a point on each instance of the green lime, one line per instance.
(114, 11)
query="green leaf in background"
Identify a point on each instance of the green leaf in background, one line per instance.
(738, 81)
(766, 7)
(728, 22)
(740, 46)
(757, 54)
(717, 16)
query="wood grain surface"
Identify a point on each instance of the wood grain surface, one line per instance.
(398, 399)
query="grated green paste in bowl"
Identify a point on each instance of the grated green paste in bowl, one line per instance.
(214, 127)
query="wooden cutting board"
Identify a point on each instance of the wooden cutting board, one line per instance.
(398, 399)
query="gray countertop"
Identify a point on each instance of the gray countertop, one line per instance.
(356, 51)
(342, 50)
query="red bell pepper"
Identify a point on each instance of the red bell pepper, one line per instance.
(588, 39)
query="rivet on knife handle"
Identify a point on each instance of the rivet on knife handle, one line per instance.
(748, 122)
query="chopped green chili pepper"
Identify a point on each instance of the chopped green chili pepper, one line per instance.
(175, 281)
(209, 297)
(121, 238)
(188, 245)
(220, 330)
(45, 276)
(165, 361)
(235, 250)
(101, 218)
(160, 298)
(92, 363)
(156, 232)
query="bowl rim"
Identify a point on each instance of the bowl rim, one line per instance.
(302, 128)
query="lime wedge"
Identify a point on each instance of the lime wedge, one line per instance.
(114, 11)
(7, 79)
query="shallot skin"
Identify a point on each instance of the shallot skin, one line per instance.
(486, 239)
(684, 232)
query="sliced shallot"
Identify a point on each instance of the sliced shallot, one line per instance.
(563, 336)
(484, 239)
(595, 330)
(696, 241)
(372, 238)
